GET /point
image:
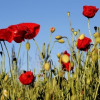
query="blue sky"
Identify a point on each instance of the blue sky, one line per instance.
(47, 13)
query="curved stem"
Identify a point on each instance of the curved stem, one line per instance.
(37, 45)
(52, 46)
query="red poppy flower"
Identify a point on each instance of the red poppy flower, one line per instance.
(32, 30)
(27, 78)
(65, 52)
(6, 34)
(25, 31)
(20, 32)
(84, 44)
(89, 11)
(67, 66)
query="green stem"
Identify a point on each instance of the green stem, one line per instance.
(37, 45)
(8, 54)
(1, 46)
(90, 30)
(96, 91)
(27, 61)
(19, 50)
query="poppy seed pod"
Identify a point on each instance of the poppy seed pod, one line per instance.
(82, 36)
(28, 46)
(61, 41)
(59, 37)
(64, 58)
(47, 66)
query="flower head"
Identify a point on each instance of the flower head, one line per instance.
(64, 59)
(6, 34)
(89, 11)
(67, 66)
(20, 32)
(83, 43)
(27, 78)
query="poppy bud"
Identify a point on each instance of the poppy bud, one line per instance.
(72, 29)
(96, 34)
(52, 29)
(28, 46)
(68, 13)
(75, 32)
(5, 93)
(98, 40)
(47, 66)
(64, 58)
(82, 36)
(58, 55)
(58, 37)
(61, 41)
(6, 78)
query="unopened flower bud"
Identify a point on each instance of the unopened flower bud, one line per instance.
(61, 41)
(5, 93)
(68, 13)
(96, 34)
(75, 32)
(58, 37)
(47, 66)
(52, 29)
(6, 78)
(72, 29)
(28, 46)
(58, 55)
